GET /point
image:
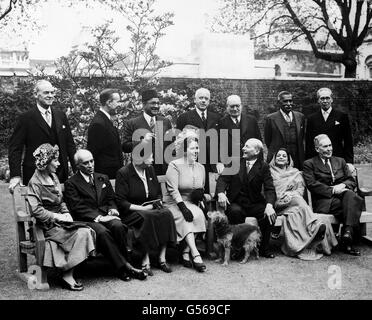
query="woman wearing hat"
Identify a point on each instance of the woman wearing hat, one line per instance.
(68, 243)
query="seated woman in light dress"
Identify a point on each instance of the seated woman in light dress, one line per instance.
(303, 230)
(67, 243)
(185, 183)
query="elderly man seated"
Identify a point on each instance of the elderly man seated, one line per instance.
(244, 194)
(331, 185)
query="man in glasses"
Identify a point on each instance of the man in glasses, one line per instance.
(285, 129)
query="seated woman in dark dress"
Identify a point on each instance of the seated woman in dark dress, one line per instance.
(68, 243)
(154, 226)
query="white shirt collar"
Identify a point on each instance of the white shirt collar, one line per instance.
(42, 110)
(290, 115)
(327, 112)
(85, 176)
(148, 118)
(234, 119)
(251, 162)
(105, 112)
(200, 113)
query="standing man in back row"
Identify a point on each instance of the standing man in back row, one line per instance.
(335, 124)
(204, 119)
(285, 128)
(41, 124)
(103, 136)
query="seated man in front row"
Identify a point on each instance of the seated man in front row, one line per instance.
(244, 193)
(90, 198)
(331, 183)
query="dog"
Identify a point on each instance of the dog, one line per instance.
(234, 239)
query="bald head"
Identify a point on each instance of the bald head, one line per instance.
(234, 106)
(252, 148)
(202, 98)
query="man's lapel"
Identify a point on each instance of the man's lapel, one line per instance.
(253, 171)
(243, 125)
(278, 119)
(86, 186)
(38, 118)
(98, 184)
(297, 121)
(58, 120)
(196, 119)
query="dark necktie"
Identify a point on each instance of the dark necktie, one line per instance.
(248, 166)
(91, 181)
(203, 119)
(237, 122)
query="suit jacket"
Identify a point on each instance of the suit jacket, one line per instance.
(318, 180)
(275, 137)
(192, 118)
(248, 129)
(30, 132)
(140, 123)
(259, 177)
(337, 128)
(129, 188)
(86, 203)
(104, 143)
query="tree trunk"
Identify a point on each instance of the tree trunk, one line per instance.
(350, 64)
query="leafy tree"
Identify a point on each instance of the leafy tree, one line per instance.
(334, 29)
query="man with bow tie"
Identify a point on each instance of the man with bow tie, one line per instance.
(91, 198)
(43, 123)
(244, 197)
(335, 124)
(331, 185)
(103, 136)
(148, 132)
(285, 128)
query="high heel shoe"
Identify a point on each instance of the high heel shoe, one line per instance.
(147, 269)
(186, 263)
(137, 274)
(71, 287)
(164, 267)
(199, 266)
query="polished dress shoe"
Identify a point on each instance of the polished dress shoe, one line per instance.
(163, 266)
(347, 238)
(71, 287)
(350, 250)
(124, 276)
(137, 274)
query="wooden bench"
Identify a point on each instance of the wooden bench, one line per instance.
(30, 238)
(365, 218)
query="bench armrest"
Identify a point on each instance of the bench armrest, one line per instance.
(39, 244)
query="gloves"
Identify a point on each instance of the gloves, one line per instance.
(197, 195)
(187, 214)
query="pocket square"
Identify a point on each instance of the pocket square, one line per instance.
(337, 123)
(104, 186)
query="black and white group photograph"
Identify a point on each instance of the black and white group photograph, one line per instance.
(184, 156)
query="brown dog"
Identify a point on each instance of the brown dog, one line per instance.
(234, 238)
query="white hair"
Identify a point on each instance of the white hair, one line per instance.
(233, 97)
(80, 154)
(201, 91)
(323, 89)
(257, 144)
(319, 138)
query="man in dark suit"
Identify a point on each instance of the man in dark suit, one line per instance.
(42, 124)
(286, 129)
(335, 124)
(90, 198)
(331, 185)
(204, 119)
(103, 137)
(244, 194)
(147, 132)
(246, 127)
